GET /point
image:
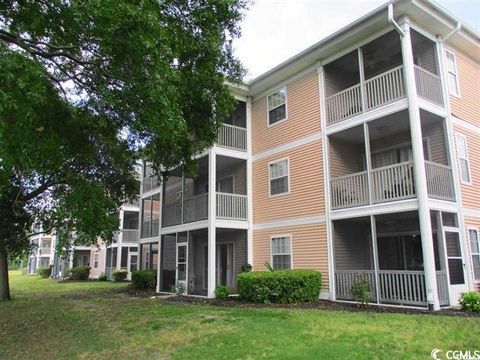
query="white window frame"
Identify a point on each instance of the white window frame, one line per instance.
(95, 260)
(448, 52)
(284, 87)
(289, 236)
(270, 178)
(472, 254)
(464, 137)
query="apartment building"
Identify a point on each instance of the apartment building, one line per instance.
(42, 252)
(358, 157)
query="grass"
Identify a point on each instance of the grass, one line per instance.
(95, 320)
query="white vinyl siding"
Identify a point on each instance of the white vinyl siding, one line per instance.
(281, 252)
(279, 177)
(475, 250)
(463, 162)
(452, 74)
(277, 106)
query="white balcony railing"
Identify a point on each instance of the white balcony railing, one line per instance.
(402, 287)
(384, 88)
(344, 104)
(231, 206)
(344, 279)
(349, 190)
(429, 86)
(393, 182)
(378, 90)
(439, 181)
(195, 208)
(44, 251)
(232, 137)
(130, 235)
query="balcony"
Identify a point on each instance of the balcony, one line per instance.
(231, 206)
(390, 176)
(232, 137)
(150, 183)
(130, 236)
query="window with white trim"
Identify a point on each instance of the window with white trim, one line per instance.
(95, 261)
(452, 74)
(281, 252)
(475, 250)
(278, 177)
(277, 106)
(463, 162)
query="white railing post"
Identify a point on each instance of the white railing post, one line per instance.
(212, 211)
(429, 85)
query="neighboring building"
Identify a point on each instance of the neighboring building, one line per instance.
(358, 157)
(42, 252)
(123, 252)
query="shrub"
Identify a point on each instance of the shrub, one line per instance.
(284, 286)
(268, 266)
(179, 289)
(470, 301)
(102, 277)
(144, 279)
(80, 273)
(221, 292)
(45, 272)
(360, 291)
(119, 275)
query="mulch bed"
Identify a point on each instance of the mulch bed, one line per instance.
(320, 305)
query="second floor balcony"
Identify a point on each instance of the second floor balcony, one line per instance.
(390, 176)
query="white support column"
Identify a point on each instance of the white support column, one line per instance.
(249, 184)
(450, 136)
(159, 238)
(419, 169)
(373, 227)
(361, 71)
(212, 212)
(120, 240)
(368, 160)
(326, 181)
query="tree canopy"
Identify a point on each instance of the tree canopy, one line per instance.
(87, 88)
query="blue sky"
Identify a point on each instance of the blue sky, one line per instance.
(274, 30)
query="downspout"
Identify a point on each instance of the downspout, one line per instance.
(392, 21)
(451, 33)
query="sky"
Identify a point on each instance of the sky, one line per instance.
(275, 30)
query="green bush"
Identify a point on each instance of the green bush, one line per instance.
(470, 301)
(360, 291)
(221, 292)
(102, 277)
(179, 289)
(144, 279)
(119, 275)
(45, 272)
(284, 286)
(80, 273)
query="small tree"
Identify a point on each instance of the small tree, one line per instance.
(88, 88)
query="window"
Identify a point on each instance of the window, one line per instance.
(277, 106)
(281, 252)
(475, 250)
(95, 261)
(463, 162)
(279, 177)
(452, 74)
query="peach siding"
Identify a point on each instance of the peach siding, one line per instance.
(471, 193)
(303, 116)
(309, 248)
(466, 107)
(306, 197)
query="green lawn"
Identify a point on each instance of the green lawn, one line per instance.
(94, 320)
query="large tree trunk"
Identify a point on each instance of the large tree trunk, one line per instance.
(4, 285)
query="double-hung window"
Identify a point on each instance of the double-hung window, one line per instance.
(281, 252)
(452, 74)
(277, 106)
(95, 261)
(278, 176)
(475, 250)
(462, 151)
